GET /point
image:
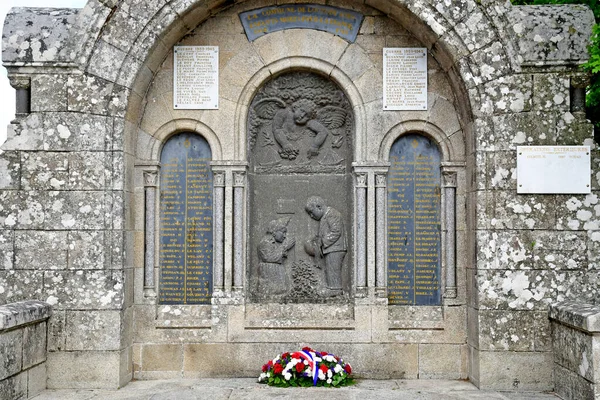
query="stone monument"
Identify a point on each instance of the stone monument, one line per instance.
(194, 186)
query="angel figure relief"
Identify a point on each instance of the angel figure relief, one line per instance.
(301, 129)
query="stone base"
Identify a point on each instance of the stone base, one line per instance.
(84, 370)
(500, 370)
(229, 360)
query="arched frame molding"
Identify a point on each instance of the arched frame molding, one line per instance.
(173, 127)
(298, 64)
(451, 166)
(421, 127)
(165, 24)
(150, 171)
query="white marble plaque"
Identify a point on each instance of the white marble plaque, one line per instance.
(196, 78)
(405, 78)
(553, 169)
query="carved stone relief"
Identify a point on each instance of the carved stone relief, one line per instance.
(300, 123)
(300, 141)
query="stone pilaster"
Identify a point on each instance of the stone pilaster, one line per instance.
(218, 213)
(361, 232)
(578, 85)
(380, 231)
(150, 184)
(22, 84)
(374, 226)
(230, 184)
(239, 185)
(449, 214)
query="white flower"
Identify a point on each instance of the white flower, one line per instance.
(318, 359)
(329, 358)
(321, 375)
(329, 373)
(305, 362)
(338, 368)
(287, 376)
(329, 381)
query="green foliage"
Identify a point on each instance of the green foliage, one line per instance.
(593, 65)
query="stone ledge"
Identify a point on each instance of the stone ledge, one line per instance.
(578, 315)
(22, 313)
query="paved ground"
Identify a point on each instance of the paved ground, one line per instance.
(248, 389)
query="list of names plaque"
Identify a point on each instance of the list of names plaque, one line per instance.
(414, 222)
(186, 235)
(196, 78)
(405, 78)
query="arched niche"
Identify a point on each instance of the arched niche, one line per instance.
(414, 265)
(300, 146)
(186, 221)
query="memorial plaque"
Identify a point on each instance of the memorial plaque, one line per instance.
(339, 21)
(554, 169)
(300, 147)
(196, 78)
(186, 236)
(414, 222)
(405, 78)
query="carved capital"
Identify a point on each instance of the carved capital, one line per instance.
(20, 81)
(580, 81)
(150, 178)
(361, 180)
(449, 179)
(239, 179)
(219, 179)
(380, 180)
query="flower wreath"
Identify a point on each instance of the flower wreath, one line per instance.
(306, 368)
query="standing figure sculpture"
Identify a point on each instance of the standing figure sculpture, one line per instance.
(272, 252)
(329, 245)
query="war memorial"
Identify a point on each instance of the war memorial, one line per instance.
(190, 187)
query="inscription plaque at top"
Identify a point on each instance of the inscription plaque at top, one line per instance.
(405, 79)
(186, 237)
(196, 78)
(414, 222)
(339, 21)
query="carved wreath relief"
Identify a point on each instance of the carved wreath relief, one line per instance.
(300, 136)
(300, 122)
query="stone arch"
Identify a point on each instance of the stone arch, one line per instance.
(182, 125)
(308, 64)
(451, 35)
(427, 129)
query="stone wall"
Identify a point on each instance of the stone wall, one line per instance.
(72, 187)
(23, 346)
(576, 345)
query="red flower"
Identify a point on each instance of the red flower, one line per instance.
(284, 355)
(348, 368)
(323, 353)
(299, 367)
(308, 349)
(296, 355)
(323, 368)
(278, 369)
(265, 368)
